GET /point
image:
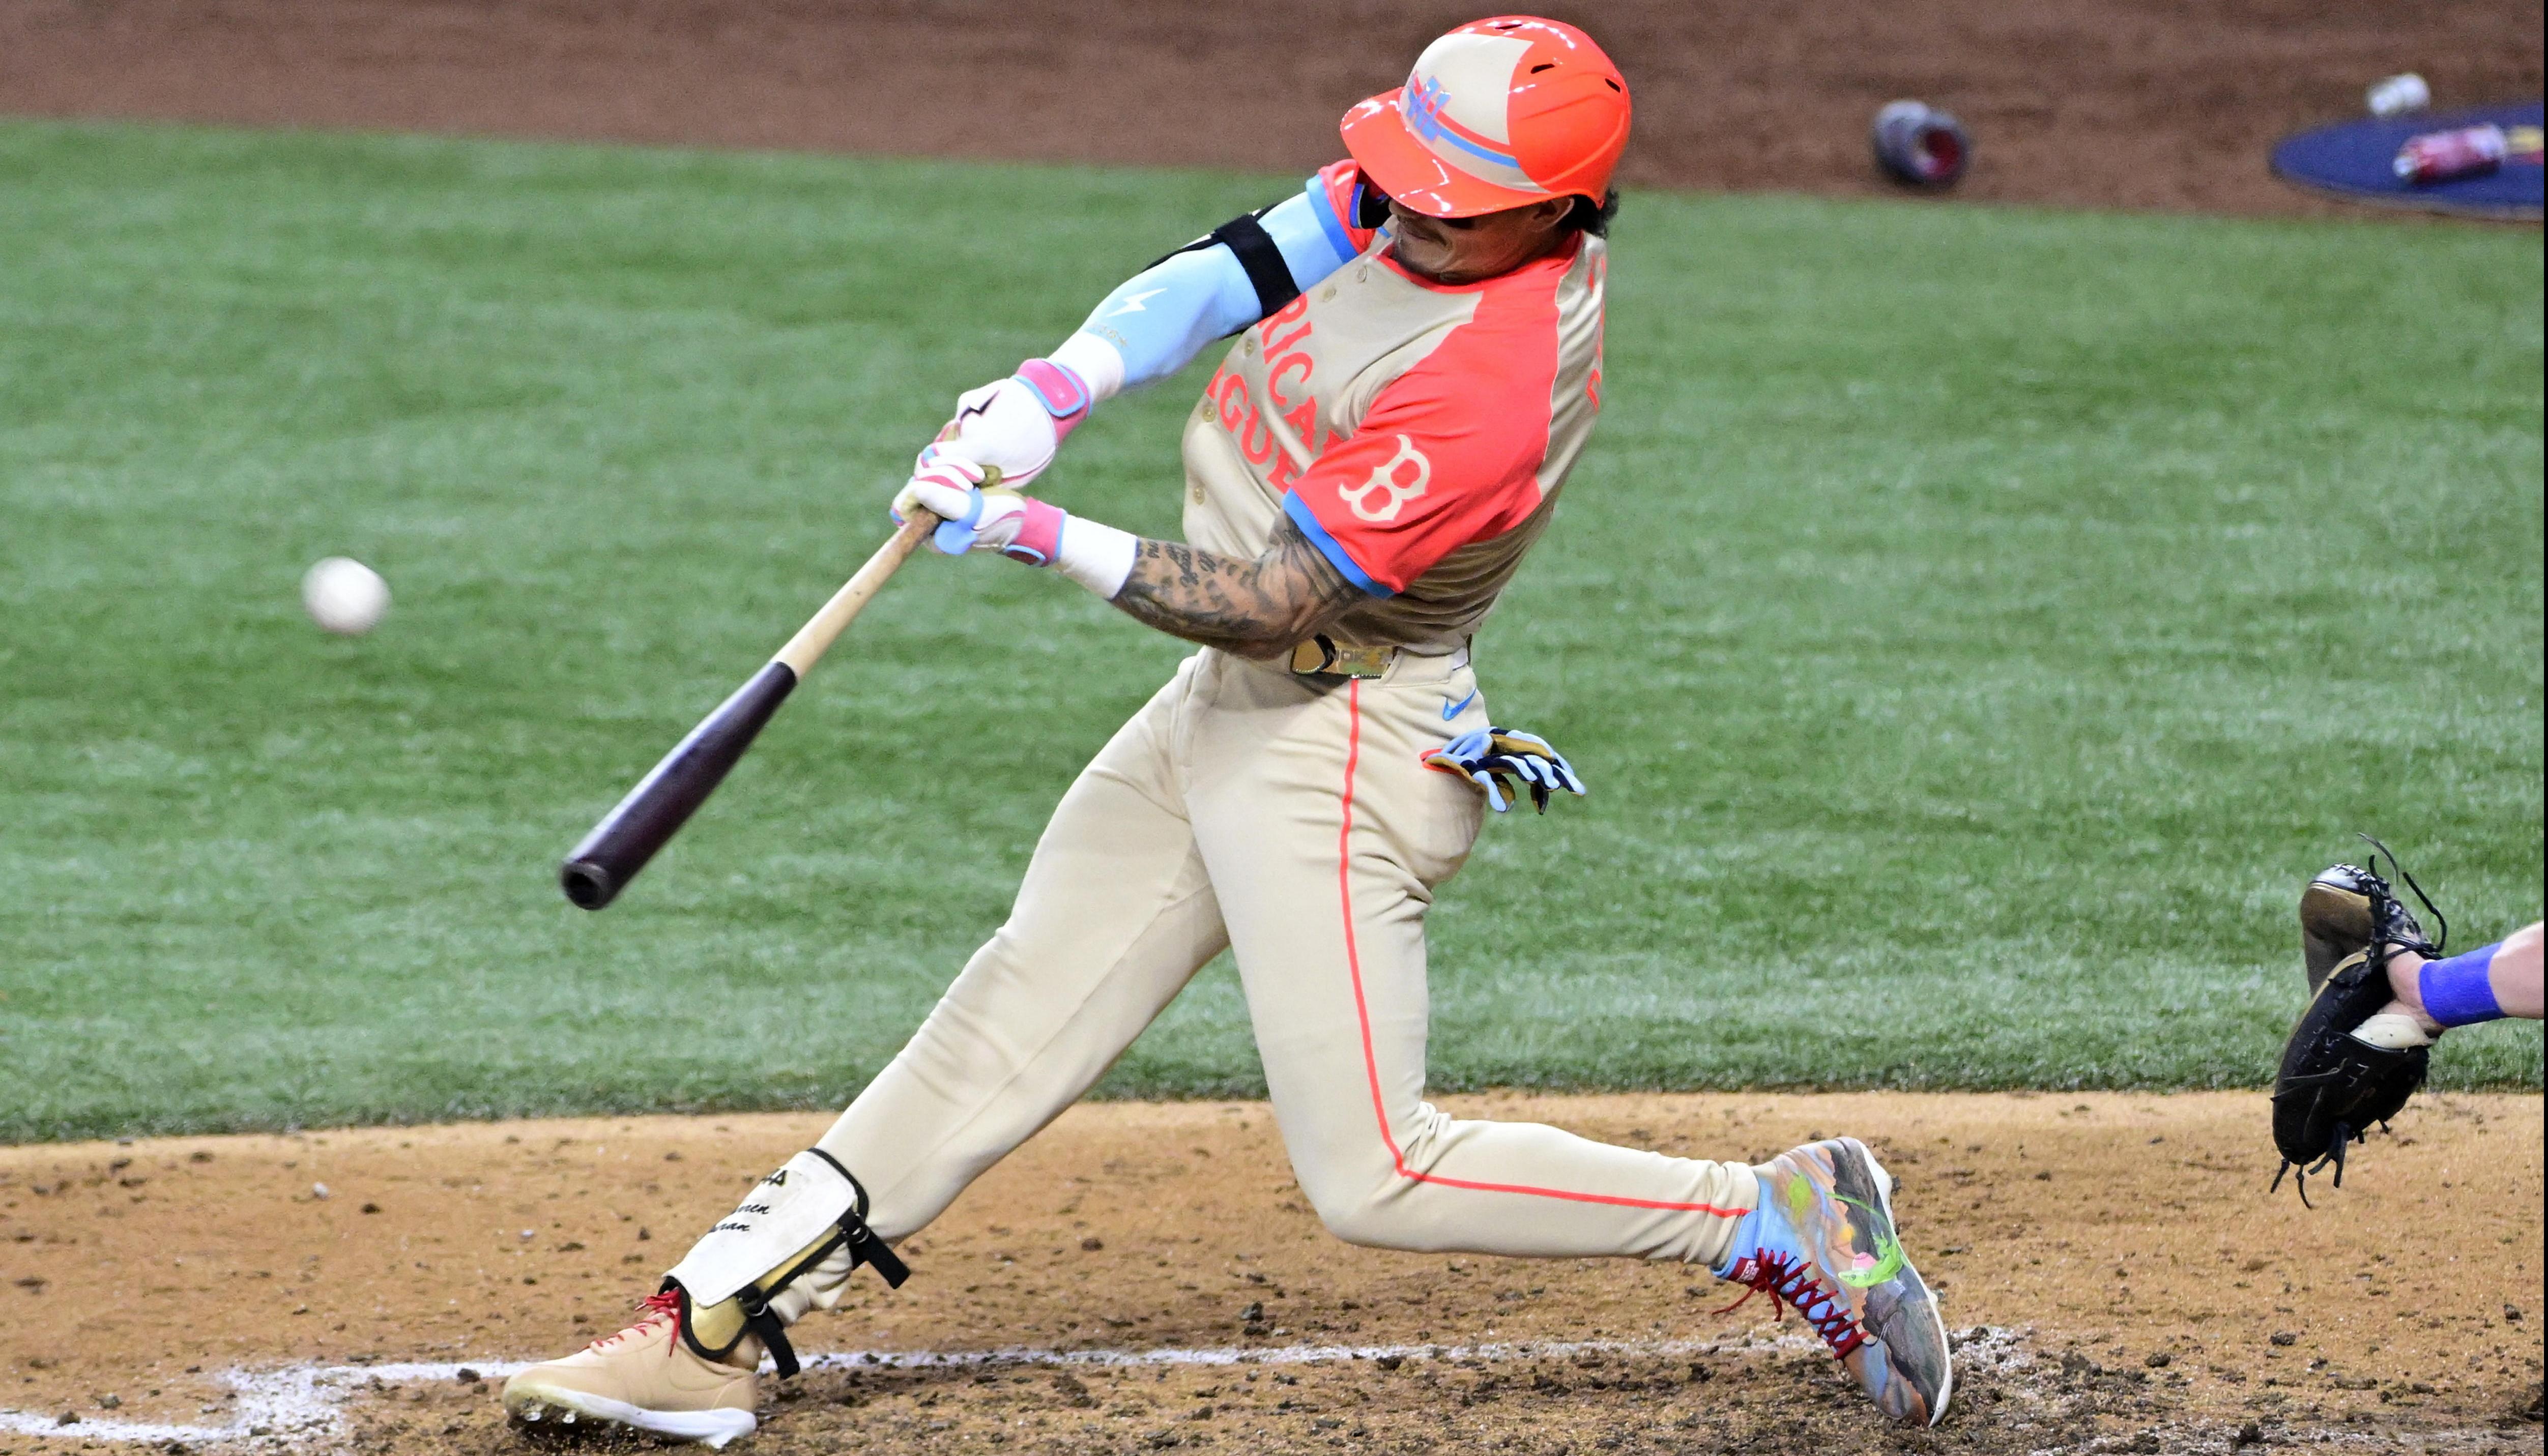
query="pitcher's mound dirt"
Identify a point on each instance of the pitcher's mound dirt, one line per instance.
(2127, 1283)
(2101, 103)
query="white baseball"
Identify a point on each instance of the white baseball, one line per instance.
(344, 596)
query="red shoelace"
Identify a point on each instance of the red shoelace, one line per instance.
(667, 1304)
(1792, 1284)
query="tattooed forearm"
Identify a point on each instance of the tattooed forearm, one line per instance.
(1255, 608)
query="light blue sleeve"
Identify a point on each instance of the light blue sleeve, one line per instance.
(1312, 239)
(1159, 318)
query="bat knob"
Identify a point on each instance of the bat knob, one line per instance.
(588, 884)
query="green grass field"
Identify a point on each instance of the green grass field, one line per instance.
(1975, 624)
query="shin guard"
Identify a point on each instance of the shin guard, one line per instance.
(788, 1248)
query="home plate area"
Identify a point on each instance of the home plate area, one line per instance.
(1146, 1277)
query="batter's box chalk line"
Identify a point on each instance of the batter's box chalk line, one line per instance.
(292, 1407)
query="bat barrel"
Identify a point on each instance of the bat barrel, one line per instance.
(602, 863)
(587, 883)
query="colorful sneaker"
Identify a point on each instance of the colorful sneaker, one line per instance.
(644, 1377)
(1822, 1242)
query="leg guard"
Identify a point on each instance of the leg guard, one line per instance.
(787, 1248)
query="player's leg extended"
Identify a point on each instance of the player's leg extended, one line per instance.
(1327, 835)
(1114, 917)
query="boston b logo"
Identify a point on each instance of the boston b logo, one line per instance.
(1403, 477)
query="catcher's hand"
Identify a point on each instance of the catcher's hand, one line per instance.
(1493, 756)
(2348, 1064)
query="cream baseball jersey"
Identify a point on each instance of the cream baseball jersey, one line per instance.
(1418, 432)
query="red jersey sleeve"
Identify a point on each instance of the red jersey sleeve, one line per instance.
(1335, 195)
(1450, 451)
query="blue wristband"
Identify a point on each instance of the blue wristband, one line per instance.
(2458, 992)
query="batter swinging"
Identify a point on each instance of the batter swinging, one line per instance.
(1418, 366)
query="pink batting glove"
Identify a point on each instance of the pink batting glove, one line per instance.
(1020, 527)
(1017, 423)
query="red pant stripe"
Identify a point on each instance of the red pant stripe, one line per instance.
(1362, 1012)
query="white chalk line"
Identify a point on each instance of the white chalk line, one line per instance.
(300, 1402)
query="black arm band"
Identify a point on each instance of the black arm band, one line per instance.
(1258, 257)
(1254, 247)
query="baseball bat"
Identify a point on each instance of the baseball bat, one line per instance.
(605, 859)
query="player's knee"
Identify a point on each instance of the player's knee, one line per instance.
(1362, 1220)
(1347, 1201)
(1373, 1211)
(1376, 1202)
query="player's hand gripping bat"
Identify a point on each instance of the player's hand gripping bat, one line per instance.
(609, 857)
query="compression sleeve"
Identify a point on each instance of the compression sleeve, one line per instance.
(1159, 318)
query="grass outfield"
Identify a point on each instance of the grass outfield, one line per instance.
(1974, 623)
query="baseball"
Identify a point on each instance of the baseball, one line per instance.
(344, 596)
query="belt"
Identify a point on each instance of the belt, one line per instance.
(1322, 657)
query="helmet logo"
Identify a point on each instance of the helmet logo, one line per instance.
(1456, 105)
(1423, 108)
(1384, 476)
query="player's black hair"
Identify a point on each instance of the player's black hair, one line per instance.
(1589, 216)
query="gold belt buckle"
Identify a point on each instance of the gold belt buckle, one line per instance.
(1320, 657)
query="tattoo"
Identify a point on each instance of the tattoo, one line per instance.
(1255, 608)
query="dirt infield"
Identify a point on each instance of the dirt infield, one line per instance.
(2121, 1279)
(2104, 103)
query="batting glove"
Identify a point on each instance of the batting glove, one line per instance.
(971, 519)
(1014, 424)
(1493, 756)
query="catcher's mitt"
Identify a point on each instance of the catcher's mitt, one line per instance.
(2342, 913)
(2347, 1066)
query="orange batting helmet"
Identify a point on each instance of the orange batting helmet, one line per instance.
(1497, 114)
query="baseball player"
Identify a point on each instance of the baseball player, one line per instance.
(1418, 367)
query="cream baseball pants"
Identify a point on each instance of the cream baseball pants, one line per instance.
(1292, 820)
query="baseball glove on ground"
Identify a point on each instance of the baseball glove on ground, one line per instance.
(2347, 1066)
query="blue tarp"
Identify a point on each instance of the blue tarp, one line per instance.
(2353, 159)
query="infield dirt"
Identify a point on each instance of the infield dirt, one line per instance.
(2098, 103)
(2121, 1278)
